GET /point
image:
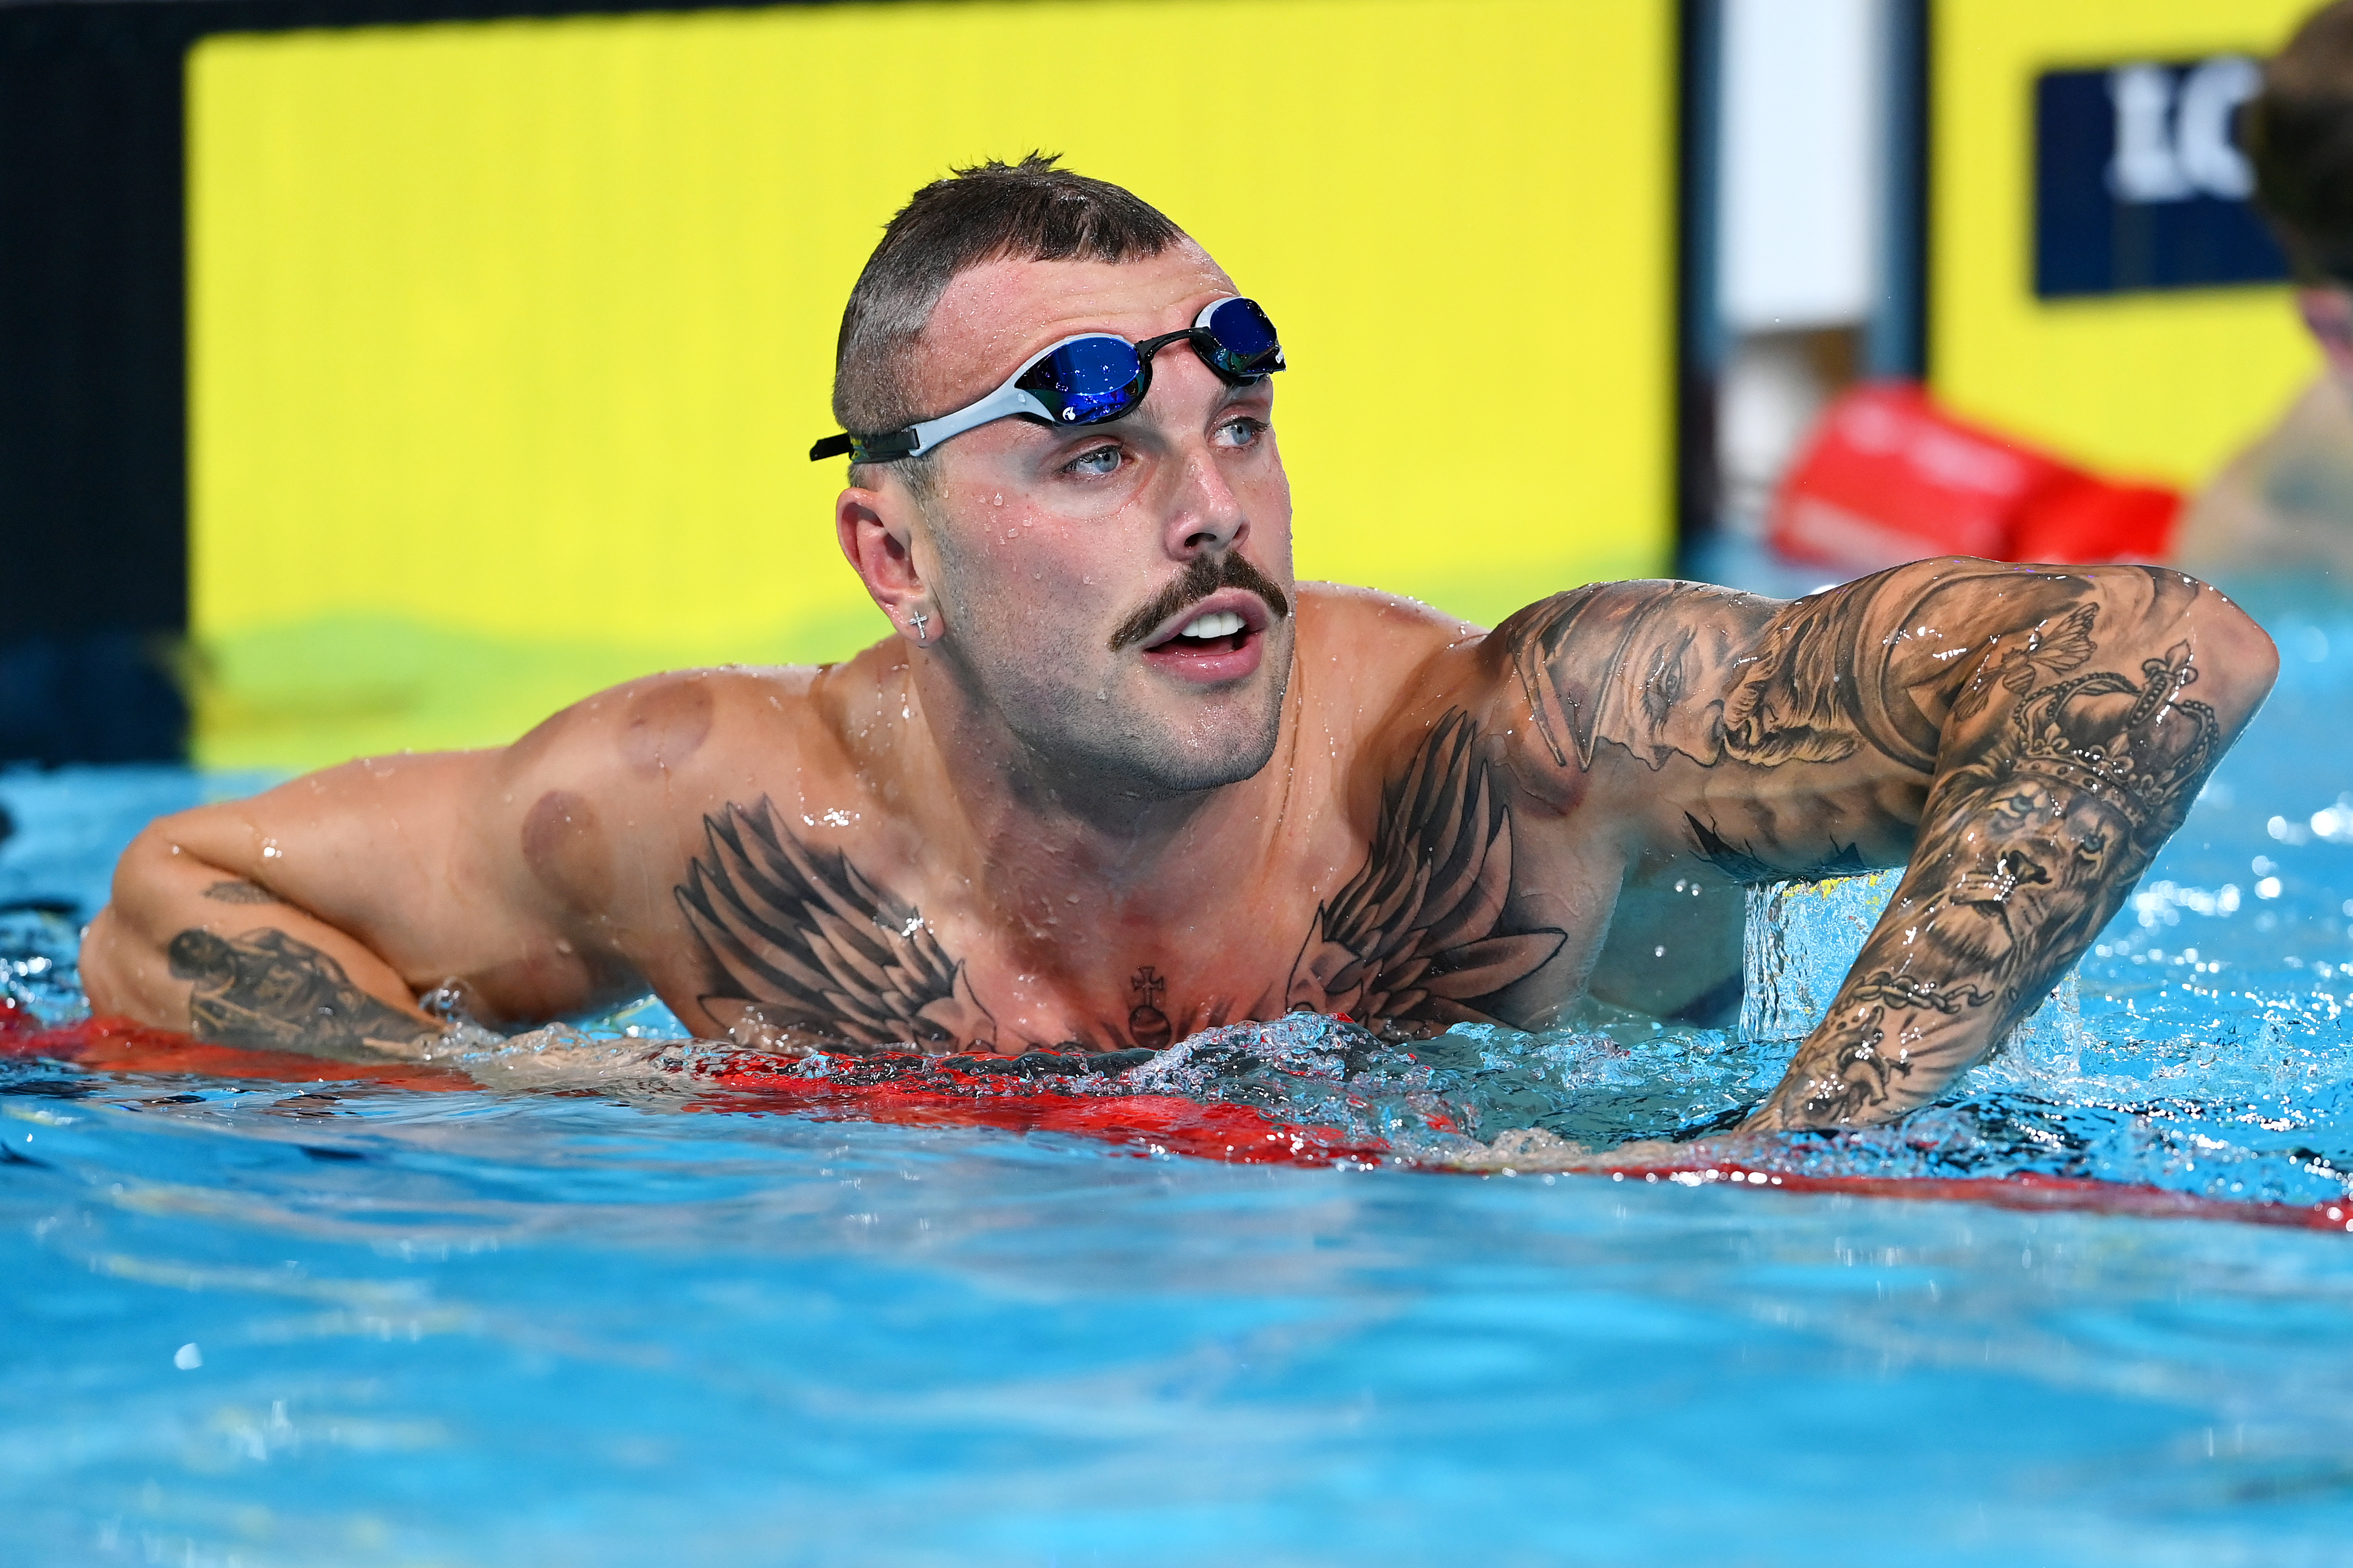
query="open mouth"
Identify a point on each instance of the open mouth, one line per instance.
(1217, 640)
(1205, 634)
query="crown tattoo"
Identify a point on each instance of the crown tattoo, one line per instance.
(2135, 748)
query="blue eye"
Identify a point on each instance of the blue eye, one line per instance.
(1101, 460)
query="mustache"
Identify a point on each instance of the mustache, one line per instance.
(1204, 575)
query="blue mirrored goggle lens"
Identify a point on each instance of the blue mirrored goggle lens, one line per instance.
(1245, 338)
(1087, 382)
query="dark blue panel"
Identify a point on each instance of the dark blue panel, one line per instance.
(2165, 216)
(104, 696)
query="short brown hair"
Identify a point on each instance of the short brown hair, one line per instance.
(2299, 136)
(1033, 209)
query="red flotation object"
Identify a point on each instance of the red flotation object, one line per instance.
(909, 1091)
(1888, 475)
(117, 1044)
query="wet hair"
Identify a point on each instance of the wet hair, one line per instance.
(2299, 136)
(1032, 210)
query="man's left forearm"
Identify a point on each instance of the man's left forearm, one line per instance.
(2071, 749)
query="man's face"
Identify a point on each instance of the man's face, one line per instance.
(1049, 549)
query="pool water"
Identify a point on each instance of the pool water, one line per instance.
(594, 1312)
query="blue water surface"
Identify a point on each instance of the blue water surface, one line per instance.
(594, 1323)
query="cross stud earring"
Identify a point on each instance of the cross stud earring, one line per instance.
(920, 620)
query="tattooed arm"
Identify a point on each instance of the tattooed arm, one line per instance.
(311, 918)
(536, 880)
(241, 966)
(2029, 736)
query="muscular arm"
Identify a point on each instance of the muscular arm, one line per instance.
(2031, 736)
(190, 946)
(311, 917)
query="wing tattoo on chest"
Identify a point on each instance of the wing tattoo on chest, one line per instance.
(1415, 941)
(803, 949)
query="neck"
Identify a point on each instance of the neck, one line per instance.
(1050, 847)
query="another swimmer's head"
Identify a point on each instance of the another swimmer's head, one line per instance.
(2299, 136)
(1046, 571)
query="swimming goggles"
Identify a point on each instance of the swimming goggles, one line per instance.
(1086, 380)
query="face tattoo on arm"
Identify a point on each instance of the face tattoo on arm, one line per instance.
(2032, 842)
(2068, 753)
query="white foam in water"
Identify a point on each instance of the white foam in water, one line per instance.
(1803, 937)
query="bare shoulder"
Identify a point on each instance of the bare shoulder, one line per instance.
(646, 761)
(1338, 616)
(1360, 649)
(660, 727)
(1562, 674)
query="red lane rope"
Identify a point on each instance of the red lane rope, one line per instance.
(117, 1044)
(2021, 1190)
(1136, 1124)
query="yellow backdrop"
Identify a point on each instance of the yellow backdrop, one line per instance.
(509, 339)
(2162, 384)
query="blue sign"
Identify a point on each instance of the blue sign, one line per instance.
(2139, 183)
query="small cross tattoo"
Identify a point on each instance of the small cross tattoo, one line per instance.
(1148, 986)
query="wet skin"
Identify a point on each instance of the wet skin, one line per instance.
(1038, 816)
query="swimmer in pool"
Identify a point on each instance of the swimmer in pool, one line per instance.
(2287, 501)
(1118, 776)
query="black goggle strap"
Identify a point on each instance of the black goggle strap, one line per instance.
(873, 449)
